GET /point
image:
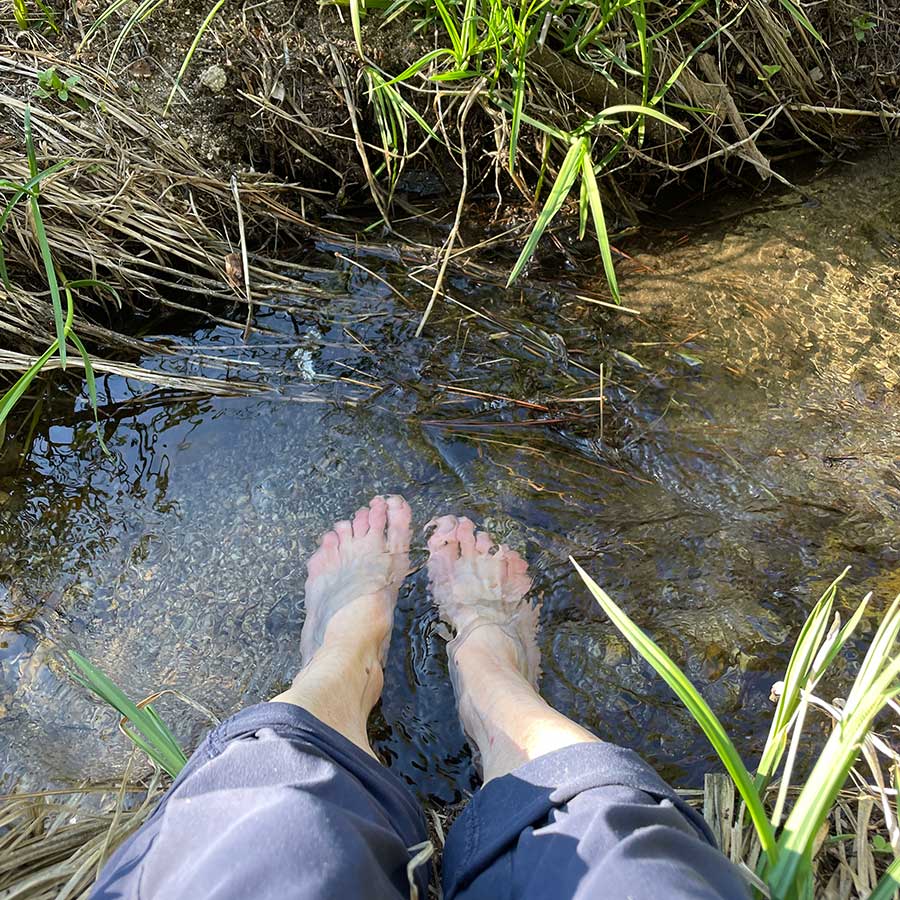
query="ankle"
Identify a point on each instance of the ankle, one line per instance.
(360, 630)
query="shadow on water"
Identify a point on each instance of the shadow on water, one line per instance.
(745, 451)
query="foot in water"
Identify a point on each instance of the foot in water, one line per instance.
(351, 591)
(354, 577)
(480, 591)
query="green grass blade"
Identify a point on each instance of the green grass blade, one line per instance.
(583, 208)
(696, 705)
(635, 108)
(140, 13)
(20, 12)
(29, 144)
(27, 187)
(43, 243)
(155, 738)
(356, 23)
(518, 103)
(98, 23)
(639, 16)
(841, 638)
(418, 65)
(52, 283)
(795, 678)
(883, 647)
(672, 26)
(452, 32)
(19, 191)
(596, 204)
(92, 388)
(192, 50)
(800, 17)
(165, 760)
(826, 779)
(14, 394)
(568, 172)
(875, 684)
(889, 883)
(102, 285)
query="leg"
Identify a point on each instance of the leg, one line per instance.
(286, 799)
(351, 592)
(480, 590)
(562, 814)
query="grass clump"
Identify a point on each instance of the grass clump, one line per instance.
(789, 839)
(536, 94)
(63, 322)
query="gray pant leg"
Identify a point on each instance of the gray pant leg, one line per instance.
(589, 821)
(273, 805)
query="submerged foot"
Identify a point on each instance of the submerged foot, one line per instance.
(480, 592)
(354, 577)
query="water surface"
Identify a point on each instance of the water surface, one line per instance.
(747, 448)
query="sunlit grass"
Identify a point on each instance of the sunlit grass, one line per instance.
(788, 842)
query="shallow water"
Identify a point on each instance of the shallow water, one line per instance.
(747, 449)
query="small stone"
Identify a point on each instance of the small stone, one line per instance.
(214, 78)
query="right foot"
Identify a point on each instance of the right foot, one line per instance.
(480, 591)
(354, 578)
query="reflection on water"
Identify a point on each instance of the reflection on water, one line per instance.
(745, 451)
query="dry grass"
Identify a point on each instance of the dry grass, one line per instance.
(136, 209)
(53, 844)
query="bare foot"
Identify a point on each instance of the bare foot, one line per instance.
(480, 589)
(351, 592)
(355, 575)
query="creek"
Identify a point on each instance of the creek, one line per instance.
(746, 450)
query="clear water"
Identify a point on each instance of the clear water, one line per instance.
(748, 448)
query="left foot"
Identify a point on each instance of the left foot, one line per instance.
(354, 578)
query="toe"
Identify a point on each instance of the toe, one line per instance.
(325, 556)
(377, 516)
(399, 518)
(330, 540)
(361, 522)
(444, 532)
(465, 534)
(483, 543)
(344, 531)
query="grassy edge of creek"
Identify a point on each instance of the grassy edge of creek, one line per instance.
(167, 146)
(574, 117)
(794, 834)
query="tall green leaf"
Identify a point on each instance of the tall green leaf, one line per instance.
(151, 735)
(696, 705)
(596, 204)
(795, 679)
(44, 244)
(568, 172)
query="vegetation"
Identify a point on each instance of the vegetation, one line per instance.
(788, 840)
(572, 114)
(30, 189)
(141, 723)
(571, 96)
